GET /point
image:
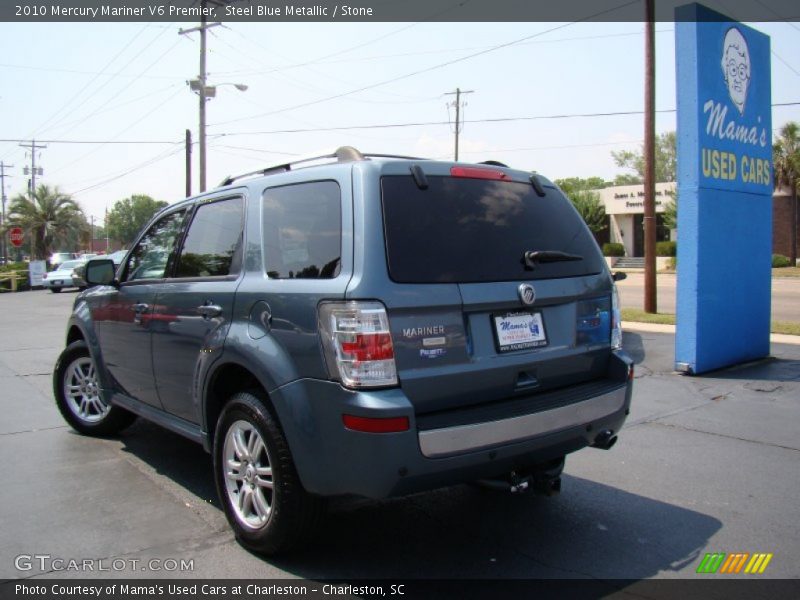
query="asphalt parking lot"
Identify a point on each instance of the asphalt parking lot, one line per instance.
(704, 464)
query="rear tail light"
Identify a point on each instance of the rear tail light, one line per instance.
(616, 320)
(358, 344)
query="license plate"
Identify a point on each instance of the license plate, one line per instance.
(57, 282)
(519, 331)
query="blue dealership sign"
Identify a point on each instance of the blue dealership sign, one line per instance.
(724, 189)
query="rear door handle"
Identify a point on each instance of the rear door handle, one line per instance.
(209, 310)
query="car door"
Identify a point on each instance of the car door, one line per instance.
(124, 316)
(194, 306)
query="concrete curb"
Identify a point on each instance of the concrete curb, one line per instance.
(775, 338)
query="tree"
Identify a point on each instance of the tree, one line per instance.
(586, 200)
(49, 217)
(130, 215)
(670, 213)
(666, 171)
(786, 161)
(666, 153)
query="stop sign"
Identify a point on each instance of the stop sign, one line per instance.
(15, 233)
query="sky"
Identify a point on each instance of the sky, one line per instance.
(125, 85)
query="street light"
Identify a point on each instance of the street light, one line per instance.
(205, 92)
(211, 90)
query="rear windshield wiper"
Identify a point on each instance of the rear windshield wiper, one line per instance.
(531, 258)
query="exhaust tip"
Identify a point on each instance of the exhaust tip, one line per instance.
(605, 440)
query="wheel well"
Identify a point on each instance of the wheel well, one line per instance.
(227, 380)
(74, 335)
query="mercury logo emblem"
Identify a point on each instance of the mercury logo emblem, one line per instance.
(526, 293)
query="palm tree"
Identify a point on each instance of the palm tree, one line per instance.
(786, 160)
(49, 217)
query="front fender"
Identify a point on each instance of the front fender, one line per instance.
(81, 326)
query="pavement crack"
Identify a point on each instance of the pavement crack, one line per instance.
(722, 435)
(35, 430)
(656, 418)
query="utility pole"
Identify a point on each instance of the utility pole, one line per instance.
(188, 162)
(33, 147)
(202, 90)
(457, 104)
(32, 190)
(91, 237)
(650, 290)
(3, 248)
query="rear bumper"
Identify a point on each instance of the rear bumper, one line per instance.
(332, 460)
(58, 283)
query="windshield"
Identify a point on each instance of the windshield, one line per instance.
(462, 230)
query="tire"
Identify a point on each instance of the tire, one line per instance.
(76, 389)
(55, 290)
(274, 513)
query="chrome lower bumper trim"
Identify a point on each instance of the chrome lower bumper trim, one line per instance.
(437, 443)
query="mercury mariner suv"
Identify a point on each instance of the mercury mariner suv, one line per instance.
(356, 324)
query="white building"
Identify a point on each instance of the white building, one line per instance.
(625, 207)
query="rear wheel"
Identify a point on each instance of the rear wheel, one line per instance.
(77, 391)
(264, 501)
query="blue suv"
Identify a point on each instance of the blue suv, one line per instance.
(356, 324)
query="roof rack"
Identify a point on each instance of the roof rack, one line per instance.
(343, 154)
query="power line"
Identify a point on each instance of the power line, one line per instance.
(55, 141)
(427, 69)
(425, 52)
(158, 158)
(349, 127)
(119, 92)
(487, 120)
(139, 120)
(80, 92)
(81, 72)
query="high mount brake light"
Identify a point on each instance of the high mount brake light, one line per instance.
(479, 173)
(358, 344)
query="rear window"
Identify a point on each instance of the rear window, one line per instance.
(470, 231)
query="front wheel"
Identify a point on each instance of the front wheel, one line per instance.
(265, 502)
(77, 392)
(55, 290)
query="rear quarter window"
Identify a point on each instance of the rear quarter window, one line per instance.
(302, 230)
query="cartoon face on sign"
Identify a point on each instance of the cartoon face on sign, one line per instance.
(736, 66)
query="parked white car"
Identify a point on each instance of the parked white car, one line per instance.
(61, 277)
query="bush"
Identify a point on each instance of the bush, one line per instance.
(779, 261)
(613, 249)
(666, 248)
(22, 280)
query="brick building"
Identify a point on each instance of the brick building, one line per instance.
(782, 222)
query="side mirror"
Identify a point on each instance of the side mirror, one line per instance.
(619, 276)
(100, 272)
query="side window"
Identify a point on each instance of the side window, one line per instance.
(149, 258)
(214, 241)
(303, 230)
